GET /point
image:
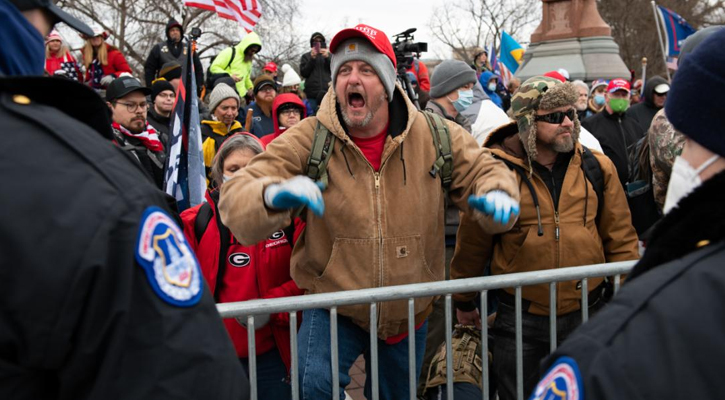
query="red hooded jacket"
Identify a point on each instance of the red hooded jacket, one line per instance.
(252, 272)
(116, 63)
(278, 101)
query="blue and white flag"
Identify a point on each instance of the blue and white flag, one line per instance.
(185, 177)
(676, 30)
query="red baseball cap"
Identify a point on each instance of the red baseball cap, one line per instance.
(270, 66)
(618, 84)
(556, 75)
(375, 36)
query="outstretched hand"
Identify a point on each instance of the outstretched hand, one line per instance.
(497, 204)
(296, 192)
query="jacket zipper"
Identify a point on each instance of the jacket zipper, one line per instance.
(624, 141)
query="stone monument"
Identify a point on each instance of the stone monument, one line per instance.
(572, 35)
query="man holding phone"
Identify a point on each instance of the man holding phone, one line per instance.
(315, 68)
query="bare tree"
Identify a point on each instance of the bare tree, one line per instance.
(135, 26)
(468, 25)
(634, 29)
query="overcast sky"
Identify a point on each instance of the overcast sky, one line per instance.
(390, 16)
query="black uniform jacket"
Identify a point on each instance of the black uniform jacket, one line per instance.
(79, 318)
(661, 337)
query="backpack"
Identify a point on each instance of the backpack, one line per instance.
(323, 144)
(203, 217)
(211, 78)
(639, 191)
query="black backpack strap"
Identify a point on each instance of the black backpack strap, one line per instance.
(202, 221)
(593, 172)
(289, 232)
(225, 239)
(234, 52)
(443, 164)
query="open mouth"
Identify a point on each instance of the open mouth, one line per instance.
(356, 100)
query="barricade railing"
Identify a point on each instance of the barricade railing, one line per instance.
(331, 301)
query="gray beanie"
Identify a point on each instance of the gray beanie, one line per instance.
(220, 93)
(449, 76)
(359, 49)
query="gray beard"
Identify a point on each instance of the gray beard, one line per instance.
(563, 145)
(368, 118)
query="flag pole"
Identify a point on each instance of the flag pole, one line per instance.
(662, 43)
(644, 73)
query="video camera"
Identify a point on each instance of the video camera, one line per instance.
(405, 52)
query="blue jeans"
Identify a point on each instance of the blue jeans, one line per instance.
(272, 377)
(314, 358)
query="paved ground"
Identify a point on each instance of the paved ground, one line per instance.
(357, 374)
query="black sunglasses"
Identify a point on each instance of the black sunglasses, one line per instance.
(556, 117)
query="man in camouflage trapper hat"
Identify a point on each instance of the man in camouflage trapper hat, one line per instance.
(542, 93)
(573, 212)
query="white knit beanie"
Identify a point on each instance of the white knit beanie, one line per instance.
(359, 49)
(290, 76)
(220, 93)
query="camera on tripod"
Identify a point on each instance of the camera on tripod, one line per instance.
(406, 50)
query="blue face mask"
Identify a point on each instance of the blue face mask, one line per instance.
(599, 99)
(465, 99)
(23, 52)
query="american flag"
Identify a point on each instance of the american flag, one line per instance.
(185, 177)
(245, 12)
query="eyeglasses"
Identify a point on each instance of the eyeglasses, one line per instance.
(291, 111)
(132, 107)
(267, 89)
(556, 117)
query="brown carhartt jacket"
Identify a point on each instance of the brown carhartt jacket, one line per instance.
(580, 242)
(379, 228)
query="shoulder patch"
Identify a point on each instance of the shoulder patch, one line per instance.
(169, 262)
(563, 381)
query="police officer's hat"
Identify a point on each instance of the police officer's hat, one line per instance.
(58, 14)
(123, 86)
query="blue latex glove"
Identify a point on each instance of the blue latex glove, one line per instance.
(496, 203)
(295, 192)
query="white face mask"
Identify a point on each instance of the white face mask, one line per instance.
(684, 180)
(226, 178)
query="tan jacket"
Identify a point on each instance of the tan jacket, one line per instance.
(379, 228)
(580, 242)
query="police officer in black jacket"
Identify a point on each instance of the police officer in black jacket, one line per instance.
(101, 296)
(662, 335)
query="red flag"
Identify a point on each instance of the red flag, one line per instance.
(245, 12)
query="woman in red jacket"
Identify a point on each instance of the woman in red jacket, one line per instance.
(58, 59)
(287, 110)
(103, 62)
(235, 272)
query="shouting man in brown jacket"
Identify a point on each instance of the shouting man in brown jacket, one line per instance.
(380, 221)
(561, 224)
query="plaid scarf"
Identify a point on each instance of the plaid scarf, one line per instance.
(149, 138)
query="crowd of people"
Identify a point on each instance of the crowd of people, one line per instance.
(327, 179)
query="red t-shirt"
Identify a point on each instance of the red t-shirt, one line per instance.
(372, 147)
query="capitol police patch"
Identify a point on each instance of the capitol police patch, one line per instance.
(170, 264)
(562, 382)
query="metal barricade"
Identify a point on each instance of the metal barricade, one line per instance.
(373, 296)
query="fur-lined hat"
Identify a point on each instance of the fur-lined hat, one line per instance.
(540, 93)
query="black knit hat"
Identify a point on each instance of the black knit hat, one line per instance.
(160, 86)
(262, 81)
(691, 104)
(171, 70)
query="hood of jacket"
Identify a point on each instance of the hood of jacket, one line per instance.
(173, 24)
(485, 77)
(324, 41)
(251, 39)
(649, 89)
(284, 99)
